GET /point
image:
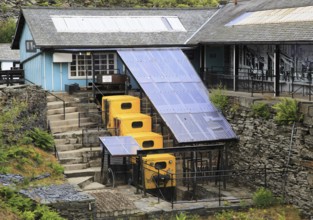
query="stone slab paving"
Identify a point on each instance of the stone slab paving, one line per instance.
(123, 201)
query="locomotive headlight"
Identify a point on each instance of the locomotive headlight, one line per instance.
(170, 161)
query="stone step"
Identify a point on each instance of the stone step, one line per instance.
(55, 105)
(94, 186)
(60, 111)
(83, 172)
(70, 122)
(69, 134)
(67, 140)
(71, 115)
(67, 128)
(71, 160)
(79, 152)
(81, 181)
(51, 98)
(75, 166)
(68, 147)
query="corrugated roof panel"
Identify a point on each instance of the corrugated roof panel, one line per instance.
(111, 24)
(120, 145)
(178, 94)
(300, 14)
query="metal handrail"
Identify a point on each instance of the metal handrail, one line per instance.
(52, 95)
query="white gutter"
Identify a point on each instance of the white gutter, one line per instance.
(199, 29)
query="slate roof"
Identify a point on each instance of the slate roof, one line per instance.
(46, 36)
(7, 54)
(215, 31)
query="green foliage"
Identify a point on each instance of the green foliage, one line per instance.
(42, 139)
(260, 109)
(57, 168)
(44, 213)
(181, 216)
(287, 111)
(263, 198)
(25, 207)
(219, 98)
(7, 29)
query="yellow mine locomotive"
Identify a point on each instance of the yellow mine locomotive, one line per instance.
(123, 118)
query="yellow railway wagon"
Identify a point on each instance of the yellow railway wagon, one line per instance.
(132, 123)
(119, 104)
(167, 166)
(147, 140)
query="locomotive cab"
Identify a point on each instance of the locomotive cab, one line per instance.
(160, 170)
(118, 104)
(132, 123)
(147, 140)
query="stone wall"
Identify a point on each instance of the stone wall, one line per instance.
(264, 143)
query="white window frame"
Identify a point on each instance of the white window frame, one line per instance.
(88, 77)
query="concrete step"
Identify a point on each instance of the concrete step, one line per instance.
(69, 134)
(75, 166)
(94, 186)
(83, 172)
(70, 122)
(55, 105)
(71, 160)
(60, 110)
(67, 140)
(68, 147)
(70, 115)
(68, 128)
(51, 98)
(79, 152)
(81, 181)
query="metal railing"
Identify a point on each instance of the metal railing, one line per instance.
(46, 91)
(258, 80)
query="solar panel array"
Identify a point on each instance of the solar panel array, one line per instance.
(113, 24)
(120, 145)
(178, 94)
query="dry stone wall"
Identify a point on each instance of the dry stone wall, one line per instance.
(265, 143)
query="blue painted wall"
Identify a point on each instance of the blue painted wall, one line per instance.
(26, 35)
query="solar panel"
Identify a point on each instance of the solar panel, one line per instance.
(178, 94)
(120, 145)
(114, 24)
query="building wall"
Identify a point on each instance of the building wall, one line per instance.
(214, 57)
(26, 35)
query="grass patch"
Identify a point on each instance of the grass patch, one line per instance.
(277, 213)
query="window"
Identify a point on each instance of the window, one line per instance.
(30, 46)
(147, 144)
(160, 165)
(126, 105)
(137, 124)
(104, 63)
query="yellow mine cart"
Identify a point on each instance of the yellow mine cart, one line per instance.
(166, 164)
(132, 123)
(118, 104)
(147, 140)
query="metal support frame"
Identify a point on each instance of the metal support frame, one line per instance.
(180, 149)
(277, 70)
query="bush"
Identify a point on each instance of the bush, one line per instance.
(219, 99)
(287, 111)
(263, 198)
(260, 109)
(42, 139)
(7, 30)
